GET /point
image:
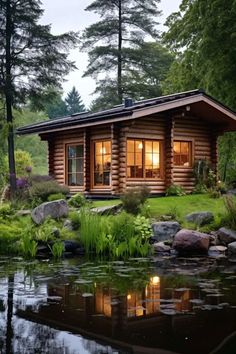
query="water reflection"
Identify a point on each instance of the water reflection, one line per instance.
(119, 305)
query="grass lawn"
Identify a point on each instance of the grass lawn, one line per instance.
(180, 206)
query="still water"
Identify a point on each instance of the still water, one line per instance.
(159, 305)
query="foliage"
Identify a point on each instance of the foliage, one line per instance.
(214, 193)
(31, 59)
(134, 198)
(56, 196)
(23, 160)
(230, 206)
(150, 63)
(205, 46)
(31, 143)
(46, 232)
(227, 157)
(117, 236)
(200, 189)
(28, 245)
(42, 190)
(74, 102)
(77, 201)
(74, 216)
(176, 190)
(56, 107)
(142, 227)
(104, 40)
(6, 211)
(57, 249)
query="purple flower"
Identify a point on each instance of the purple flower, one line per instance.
(21, 183)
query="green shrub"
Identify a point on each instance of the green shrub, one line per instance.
(142, 227)
(175, 190)
(45, 232)
(77, 201)
(6, 210)
(134, 198)
(9, 238)
(56, 196)
(75, 219)
(200, 189)
(42, 190)
(122, 226)
(23, 161)
(214, 193)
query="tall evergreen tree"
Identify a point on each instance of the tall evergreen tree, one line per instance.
(74, 102)
(123, 25)
(31, 58)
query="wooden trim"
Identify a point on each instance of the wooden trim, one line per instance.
(191, 154)
(92, 157)
(161, 161)
(67, 143)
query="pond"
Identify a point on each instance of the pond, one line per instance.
(158, 305)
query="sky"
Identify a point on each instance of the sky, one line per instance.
(70, 16)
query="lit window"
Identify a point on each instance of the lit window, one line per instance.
(75, 165)
(102, 163)
(182, 153)
(143, 159)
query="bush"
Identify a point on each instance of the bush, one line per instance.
(134, 198)
(175, 190)
(214, 193)
(42, 190)
(200, 189)
(77, 201)
(23, 162)
(74, 216)
(56, 196)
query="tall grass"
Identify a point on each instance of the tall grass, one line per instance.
(116, 236)
(230, 206)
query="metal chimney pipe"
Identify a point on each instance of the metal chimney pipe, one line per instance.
(128, 102)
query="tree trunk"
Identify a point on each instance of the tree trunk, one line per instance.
(119, 56)
(8, 97)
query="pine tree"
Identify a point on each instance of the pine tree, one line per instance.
(123, 25)
(74, 102)
(31, 59)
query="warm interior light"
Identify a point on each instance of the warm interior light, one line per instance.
(128, 297)
(103, 151)
(155, 280)
(140, 146)
(155, 160)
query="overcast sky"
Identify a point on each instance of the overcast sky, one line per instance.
(69, 15)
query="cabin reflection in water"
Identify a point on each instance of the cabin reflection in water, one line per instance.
(106, 300)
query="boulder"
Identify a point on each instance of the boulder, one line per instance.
(71, 246)
(55, 209)
(68, 225)
(215, 251)
(200, 218)
(226, 236)
(161, 247)
(190, 241)
(164, 230)
(232, 248)
(107, 210)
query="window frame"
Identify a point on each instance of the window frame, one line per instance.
(190, 153)
(67, 145)
(161, 159)
(93, 146)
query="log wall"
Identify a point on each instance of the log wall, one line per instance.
(198, 132)
(163, 128)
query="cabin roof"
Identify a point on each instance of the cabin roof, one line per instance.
(201, 104)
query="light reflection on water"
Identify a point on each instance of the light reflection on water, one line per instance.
(97, 307)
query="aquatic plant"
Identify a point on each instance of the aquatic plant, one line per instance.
(57, 249)
(28, 246)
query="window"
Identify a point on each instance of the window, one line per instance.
(143, 159)
(102, 163)
(182, 153)
(75, 165)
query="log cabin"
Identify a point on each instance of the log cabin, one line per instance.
(153, 142)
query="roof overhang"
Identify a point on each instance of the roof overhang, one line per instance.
(199, 104)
